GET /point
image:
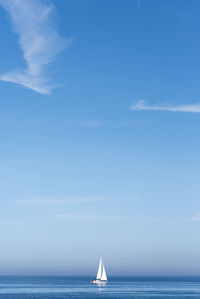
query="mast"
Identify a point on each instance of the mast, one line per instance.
(99, 272)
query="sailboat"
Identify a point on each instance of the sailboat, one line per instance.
(101, 277)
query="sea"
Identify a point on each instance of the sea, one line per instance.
(48, 287)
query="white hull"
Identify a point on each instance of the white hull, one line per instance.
(98, 281)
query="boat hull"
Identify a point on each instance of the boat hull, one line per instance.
(98, 281)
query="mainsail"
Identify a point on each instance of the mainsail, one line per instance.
(99, 272)
(103, 275)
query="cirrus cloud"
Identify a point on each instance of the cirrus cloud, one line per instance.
(38, 39)
(141, 105)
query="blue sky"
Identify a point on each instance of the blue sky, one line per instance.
(99, 152)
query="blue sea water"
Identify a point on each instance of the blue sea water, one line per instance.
(47, 287)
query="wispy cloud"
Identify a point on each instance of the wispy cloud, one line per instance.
(124, 218)
(141, 105)
(56, 201)
(38, 39)
(195, 218)
(90, 217)
(116, 217)
(139, 3)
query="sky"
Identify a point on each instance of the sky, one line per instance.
(100, 140)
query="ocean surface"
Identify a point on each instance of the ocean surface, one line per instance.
(58, 287)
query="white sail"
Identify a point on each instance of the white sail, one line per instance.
(99, 272)
(103, 275)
